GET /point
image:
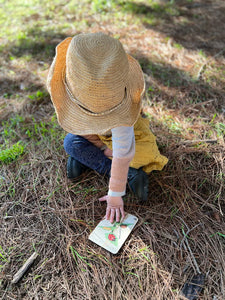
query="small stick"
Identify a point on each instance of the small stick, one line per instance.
(24, 268)
(188, 142)
(192, 256)
(186, 233)
(187, 246)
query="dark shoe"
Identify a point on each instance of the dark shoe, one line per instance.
(138, 182)
(74, 168)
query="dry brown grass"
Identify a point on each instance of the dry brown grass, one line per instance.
(43, 211)
(52, 215)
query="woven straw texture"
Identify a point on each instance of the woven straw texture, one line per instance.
(94, 85)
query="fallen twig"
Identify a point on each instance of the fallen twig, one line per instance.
(187, 246)
(24, 268)
(193, 142)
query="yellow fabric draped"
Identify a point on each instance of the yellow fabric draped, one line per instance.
(147, 154)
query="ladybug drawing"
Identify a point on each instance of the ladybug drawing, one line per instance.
(111, 237)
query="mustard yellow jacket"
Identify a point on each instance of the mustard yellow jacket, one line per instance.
(147, 154)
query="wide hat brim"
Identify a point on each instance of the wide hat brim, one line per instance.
(73, 118)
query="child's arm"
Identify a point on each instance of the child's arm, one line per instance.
(123, 152)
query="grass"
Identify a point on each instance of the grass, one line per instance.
(11, 153)
(43, 211)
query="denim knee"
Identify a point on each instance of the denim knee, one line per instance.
(86, 153)
(73, 143)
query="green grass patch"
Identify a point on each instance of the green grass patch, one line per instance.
(39, 95)
(17, 126)
(78, 257)
(12, 153)
(19, 134)
(171, 124)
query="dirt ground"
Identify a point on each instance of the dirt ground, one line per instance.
(181, 229)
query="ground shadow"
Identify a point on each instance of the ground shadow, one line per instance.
(22, 85)
(195, 25)
(187, 90)
(40, 45)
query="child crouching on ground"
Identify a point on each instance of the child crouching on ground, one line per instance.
(96, 89)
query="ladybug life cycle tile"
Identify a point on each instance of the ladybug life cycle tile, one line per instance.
(111, 236)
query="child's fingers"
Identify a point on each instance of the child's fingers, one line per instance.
(122, 213)
(107, 213)
(112, 215)
(117, 215)
(108, 152)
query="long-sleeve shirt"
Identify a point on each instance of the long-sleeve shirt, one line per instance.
(123, 148)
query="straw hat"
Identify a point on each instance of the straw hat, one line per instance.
(94, 85)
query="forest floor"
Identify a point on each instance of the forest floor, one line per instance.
(180, 46)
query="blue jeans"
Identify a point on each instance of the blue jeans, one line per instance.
(87, 153)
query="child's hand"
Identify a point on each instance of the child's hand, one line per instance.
(108, 152)
(114, 208)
